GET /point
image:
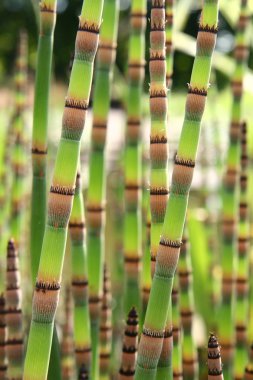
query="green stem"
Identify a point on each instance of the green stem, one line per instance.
(166, 262)
(46, 295)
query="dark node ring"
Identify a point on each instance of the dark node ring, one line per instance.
(129, 350)
(38, 151)
(157, 58)
(127, 372)
(184, 162)
(158, 140)
(196, 91)
(70, 103)
(153, 333)
(208, 29)
(93, 28)
(170, 243)
(44, 286)
(83, 350)
(62, 190)
(133, 260)
(159, 191)
(79, 283)
(95, 299)
(76, 225)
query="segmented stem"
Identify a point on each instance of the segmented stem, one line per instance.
(170, 242)
(214, 359)
(95, 204)
(230, 199)
(130, 344)
(190, 355)
(82, 338)
(133, 176)
(14, 343)
(242, 268)
(106, 328)
(67, 344)
(46, 295)
(3, 339)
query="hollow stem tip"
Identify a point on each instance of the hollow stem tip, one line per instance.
(83, 373)
(214, 359)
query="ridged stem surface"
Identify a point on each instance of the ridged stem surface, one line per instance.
(130, 345)
(230, 201)
(190, 355)
(81, 317)
(14, 343)
(214, 359)
(170, 242)
(133, 179)
(47, 288)
(95, 203)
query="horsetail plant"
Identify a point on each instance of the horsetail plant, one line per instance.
(230, 198)
(67, 344)
(130, 344)
(214, 359)
(176, 332)
(3, 338)
(82, 338)
(164, 368)
(166, 262)
(105, 329)
(18, 154)
(242, 270)
(14, 343)
(190, 356)
(169, 42)
(95, 202)
(133, 157)
(46, 295)
(40, 126)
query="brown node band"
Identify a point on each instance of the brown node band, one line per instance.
(159, 27)
(79, 283)
(38, 151)
(127, 372)
(158, 140)
(14, 342)
(197, 91)
(87, 27)
(208, 29)
(170, 243)
(214, 371)
(107, 46)
(83, 350)
(99, 125)
(76, 104)
(47, 286)
(131, 334)
(132, 260)
(76, 225)
(153, 333)
(158, 94)
(95, 300)
(62, 190)
(184, 162)
(95, 209)
(11, 311)
(157, 57)
(45, 8)
(159, 191)
(129, 350)
(138, 14)
(136, 65)
(132, 187)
